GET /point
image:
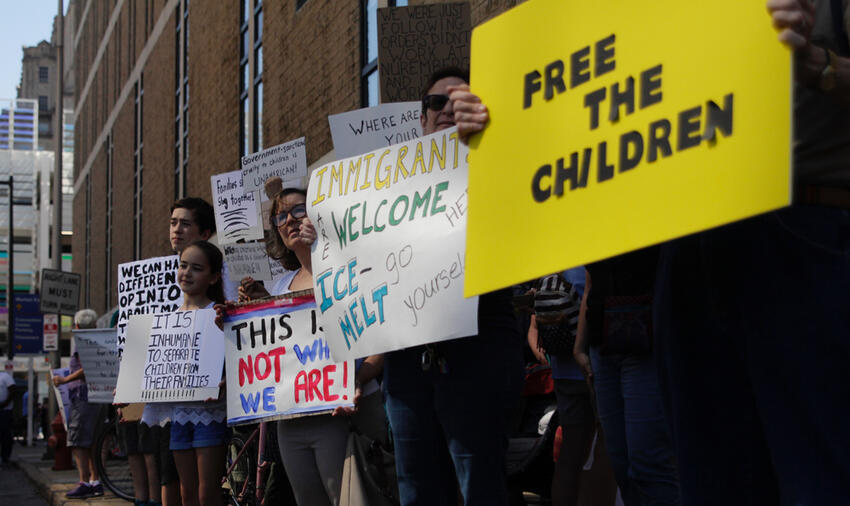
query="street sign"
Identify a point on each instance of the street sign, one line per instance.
(51, 332)
(60, 292)
(28, 324)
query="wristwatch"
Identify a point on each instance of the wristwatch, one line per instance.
(827, 75)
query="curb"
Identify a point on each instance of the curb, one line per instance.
(54, 493)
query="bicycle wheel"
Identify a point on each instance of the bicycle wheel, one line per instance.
(241, 479)
(111, 463)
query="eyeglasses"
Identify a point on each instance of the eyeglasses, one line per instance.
(297, 212)
(434, 102)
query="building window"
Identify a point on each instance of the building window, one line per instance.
(369, 95)
(181, 96)
(251, 77)
(299, 4)
(138, 166)
(43, 74)
(109, 181)
(42, 103)
(43, 126)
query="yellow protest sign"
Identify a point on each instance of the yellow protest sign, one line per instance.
(619, 124)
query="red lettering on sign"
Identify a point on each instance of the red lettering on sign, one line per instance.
(264, 375)
(276, 354)
(328, 381)
(301, 386)
(246, 369)
(315, 379)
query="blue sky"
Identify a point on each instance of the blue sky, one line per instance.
(25, 23)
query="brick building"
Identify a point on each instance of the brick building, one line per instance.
(170, 92)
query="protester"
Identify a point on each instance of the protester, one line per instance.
(575, 410)
(199, 431)
(752, 320)
(616, 324)
(82, 419)
(625, 378)
(452, 397)
(312, 447)
(7, 402)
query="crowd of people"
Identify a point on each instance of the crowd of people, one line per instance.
(714, 364)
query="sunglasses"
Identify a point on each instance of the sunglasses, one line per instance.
(297, 212)
(434, 102)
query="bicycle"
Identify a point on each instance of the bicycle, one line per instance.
(110, 460)
(251, 476)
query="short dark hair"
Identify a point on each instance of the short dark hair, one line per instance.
(443, 73)
(215, 259)
(274, 244)
(202, 212)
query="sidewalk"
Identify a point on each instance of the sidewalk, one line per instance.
(52, 485)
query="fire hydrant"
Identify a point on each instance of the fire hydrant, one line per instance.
(59, 442)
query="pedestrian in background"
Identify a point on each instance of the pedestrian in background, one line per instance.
(82, 419)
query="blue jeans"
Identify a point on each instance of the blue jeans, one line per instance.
(753, 346)
(453, 419)
(636, 434)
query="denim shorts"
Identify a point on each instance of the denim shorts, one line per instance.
(190, 435)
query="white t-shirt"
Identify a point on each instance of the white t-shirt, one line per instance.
(6, 381)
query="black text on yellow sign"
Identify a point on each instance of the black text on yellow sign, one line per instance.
(617, 125)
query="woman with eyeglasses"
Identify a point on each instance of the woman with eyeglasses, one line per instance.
(312, 447)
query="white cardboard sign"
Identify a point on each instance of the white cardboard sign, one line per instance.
(279, 364)
(388, 264)
(287, 161)
(98, 352)
(146, 286)
(237, 213)
(363, 130)
(171, 357)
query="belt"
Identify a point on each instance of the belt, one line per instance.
(816, 195)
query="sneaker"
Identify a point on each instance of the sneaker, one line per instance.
(82, 491)
(96, 490)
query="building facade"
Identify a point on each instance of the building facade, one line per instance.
(170, 92)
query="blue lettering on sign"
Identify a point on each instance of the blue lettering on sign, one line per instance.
(317, 351)
(268, 399)
(252, 403)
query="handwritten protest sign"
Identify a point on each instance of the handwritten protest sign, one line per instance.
(60, 292)
(415, 41)
(62, 392)
(171, 357)
(237, 214)
(279, 364)
(248, 259)
(625, 130)
(98, 352)
(389, 262)
(146, 286)
(287, 161)
(356, 132)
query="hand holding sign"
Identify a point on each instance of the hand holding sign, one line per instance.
(470, 114)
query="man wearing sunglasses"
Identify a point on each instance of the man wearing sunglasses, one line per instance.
(446, 402)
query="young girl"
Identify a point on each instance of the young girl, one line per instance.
(199, 432)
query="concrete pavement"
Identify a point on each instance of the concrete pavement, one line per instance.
(50, 485)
